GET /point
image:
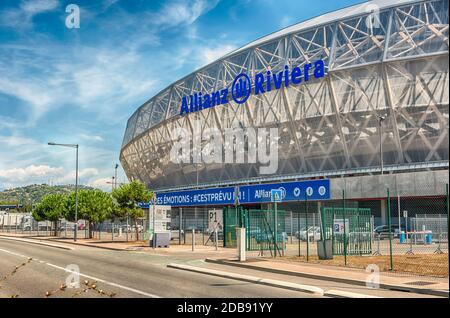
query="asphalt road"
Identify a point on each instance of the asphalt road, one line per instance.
(138, 274)
(126, 274)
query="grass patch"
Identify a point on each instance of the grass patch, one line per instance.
(420, 264)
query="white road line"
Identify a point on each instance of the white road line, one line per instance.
(90, 277)
(37, 242)
(12, 253)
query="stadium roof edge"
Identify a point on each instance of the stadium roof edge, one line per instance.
(322, 19)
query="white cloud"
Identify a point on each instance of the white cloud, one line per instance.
(31, 92)
(95, 138)
(101, 183)
(181, 12)
(98, 79)
(33, 7)
(285, 21)
(30, 173)
(84, 176)
(209, 55)
(37, 174)
(22, 17)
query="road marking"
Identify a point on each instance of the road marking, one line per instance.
(252, 279)
(35, 241)
(346, 294)
(90, 277)
(9, 252)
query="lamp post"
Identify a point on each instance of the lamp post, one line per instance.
(380, 130)
(115, 175)
(76, 183)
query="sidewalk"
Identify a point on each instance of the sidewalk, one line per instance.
(226, 256)
(200, 251)
(417, 284)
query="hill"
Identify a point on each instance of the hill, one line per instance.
(32, 194)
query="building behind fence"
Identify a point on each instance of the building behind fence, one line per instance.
(399, 233)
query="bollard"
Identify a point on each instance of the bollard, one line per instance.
(216, 238)
(240, 237)
(193, 239)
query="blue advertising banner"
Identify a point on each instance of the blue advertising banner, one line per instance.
(222, 196)
(260, 193)
(290, 191)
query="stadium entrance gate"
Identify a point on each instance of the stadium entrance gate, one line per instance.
(349, 228)
(263, 232)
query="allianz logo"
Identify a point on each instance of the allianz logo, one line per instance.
(243, 86)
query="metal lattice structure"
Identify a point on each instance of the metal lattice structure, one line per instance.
(393, 61)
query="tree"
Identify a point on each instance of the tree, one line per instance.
(94, 206)
(128, 196)
(51, 208)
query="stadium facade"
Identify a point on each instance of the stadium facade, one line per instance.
(383, 101)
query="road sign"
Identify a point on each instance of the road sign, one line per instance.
(215, 218)
(276, 195)
(339, 226)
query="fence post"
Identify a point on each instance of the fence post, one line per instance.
(193, 239)
(345, 228)
(298, 231)
(180, 214)
(389, 227)
(447, 204)
(216, 238)
(307, 228)
(292, 227)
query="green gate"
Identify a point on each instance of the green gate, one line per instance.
(260, 229)
(350, 228)
(232, 218)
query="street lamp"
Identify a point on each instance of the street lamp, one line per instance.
(380, 130)
(115, 175)
(76, 183)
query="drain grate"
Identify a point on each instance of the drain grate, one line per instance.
(420, 283)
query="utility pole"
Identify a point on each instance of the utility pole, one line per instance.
(380, 130)
(115, 175)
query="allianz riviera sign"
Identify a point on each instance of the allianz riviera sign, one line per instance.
(241, 89)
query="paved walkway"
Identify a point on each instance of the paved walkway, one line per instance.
(226, 256)
(340, 274)
(200, 251)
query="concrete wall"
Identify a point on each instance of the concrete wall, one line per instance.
(423, 183)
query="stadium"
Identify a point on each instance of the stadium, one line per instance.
(375, 118)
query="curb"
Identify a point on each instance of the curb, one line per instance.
(345, 294)
(269, 282)
(433, 292)
(88, 245)
(35, 241)
(68, 242)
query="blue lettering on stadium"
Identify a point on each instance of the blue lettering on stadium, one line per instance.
(242, 86)
(259, 193)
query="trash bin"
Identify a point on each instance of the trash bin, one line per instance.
(402, 237)
(429, 238)
(325, 249)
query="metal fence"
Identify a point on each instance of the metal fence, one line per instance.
(398, 233)
(411, 235)
(24, 224)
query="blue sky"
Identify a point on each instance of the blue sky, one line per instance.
(81, 85)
